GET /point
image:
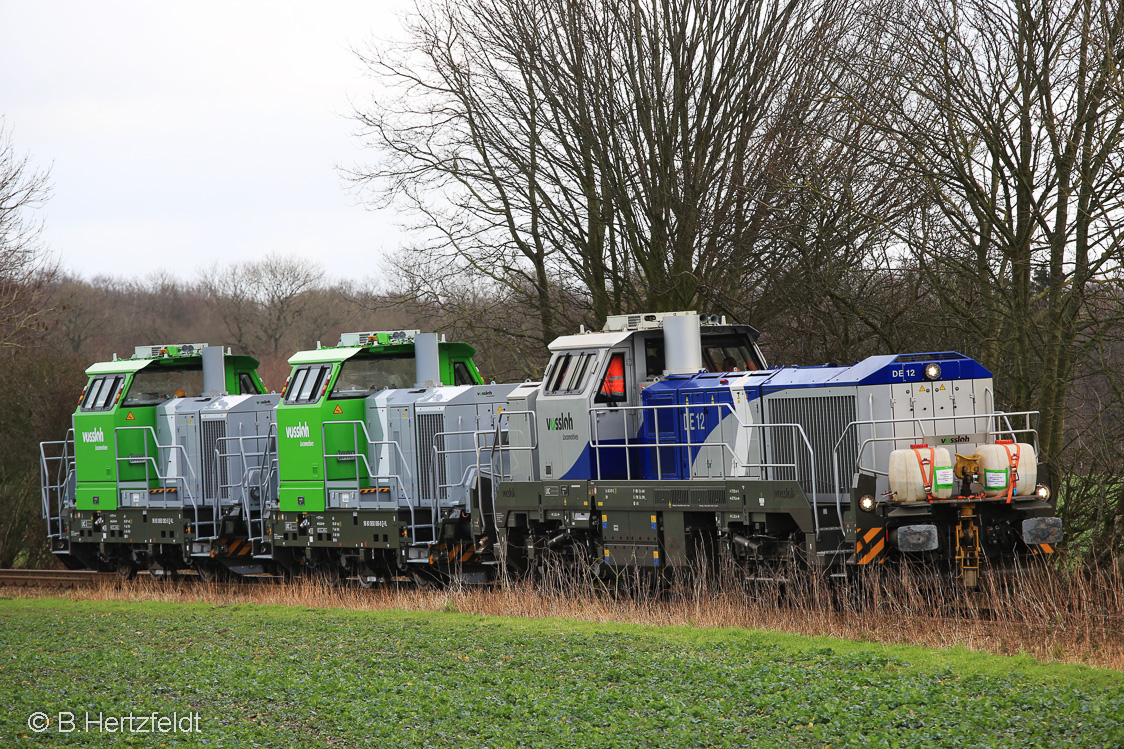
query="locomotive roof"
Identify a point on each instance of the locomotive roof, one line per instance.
(590, 340)
(610, 338)
(878, 370)
(874, 370)
(129, 366)
(334, 354)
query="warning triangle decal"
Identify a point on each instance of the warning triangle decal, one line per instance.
(130, 417)
(338, 410)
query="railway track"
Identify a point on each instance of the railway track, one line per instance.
(91, 578)
(54, 578)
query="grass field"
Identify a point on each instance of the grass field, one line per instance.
(293, 676)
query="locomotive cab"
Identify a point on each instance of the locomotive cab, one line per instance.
(588, 406)
(336, 505)
(121, 503)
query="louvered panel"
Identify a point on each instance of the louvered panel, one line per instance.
(709, 497)
(823, 419)
(215, 474)
(431, 470)
(673, 497)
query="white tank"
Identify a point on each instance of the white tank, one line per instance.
(907, 481)
(999, 461)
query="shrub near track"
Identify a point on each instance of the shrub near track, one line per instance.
(275, 676)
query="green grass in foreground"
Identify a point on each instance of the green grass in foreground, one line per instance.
(280, 676)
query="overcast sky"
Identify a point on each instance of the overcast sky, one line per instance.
(180, 134)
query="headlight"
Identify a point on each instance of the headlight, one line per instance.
(866, 503)
(1042, 491)
(932, 371)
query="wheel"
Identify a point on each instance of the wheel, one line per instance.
(327, 574)
(213, 572)
(126, 570)
(367, 579)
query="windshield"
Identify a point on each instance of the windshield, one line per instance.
(359, 378)
(154, 386)
(100, 393)
(728, 353)
(569, 373)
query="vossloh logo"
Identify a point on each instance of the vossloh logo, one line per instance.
(299, 432)
(563, 423)
(95, 436)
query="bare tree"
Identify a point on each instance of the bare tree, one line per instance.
(1009, 116)
(25, 268)
(262, 304)
(613, 152)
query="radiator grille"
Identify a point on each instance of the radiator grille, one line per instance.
(431, 471)
(708, 497)
(673, 497)
(215, 476)
(824, 419)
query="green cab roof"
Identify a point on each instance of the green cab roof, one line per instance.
(130, 366)
(343, 353)
(324, 355)
(121, 366)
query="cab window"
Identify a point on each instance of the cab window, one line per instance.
(570, 373)
(246, 384)
(461, 375)
(559, 369)
(653, 358)
(101, 393)
(359, 377)
(307, 382)
(728, 353)
(152, 386)
(612, 383)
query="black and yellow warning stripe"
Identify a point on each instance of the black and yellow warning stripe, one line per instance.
(870, 543)
(237, 547)
(458, 553)
(1042, 548)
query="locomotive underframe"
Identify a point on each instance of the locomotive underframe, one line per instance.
(759, 526)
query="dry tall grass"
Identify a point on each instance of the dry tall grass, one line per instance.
(1052, 615)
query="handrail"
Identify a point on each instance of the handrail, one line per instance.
(919, 422)
(532, 431)
(259, 469)
(61, 483)
(723, 445)
(497, 447)
(150, 459)
(475, 449)
(371, 475)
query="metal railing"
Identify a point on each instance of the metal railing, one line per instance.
(57, 481)
(501, 450)
(254, 463)
(372, 476)
(724, 445)
(991, 420)
(151, 468)
(472, 471)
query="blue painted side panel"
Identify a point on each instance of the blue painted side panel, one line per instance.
(704, 394)
(713, 388)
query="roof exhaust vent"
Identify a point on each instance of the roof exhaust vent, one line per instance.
(427, 360)
(214, 371)
(682, 341)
